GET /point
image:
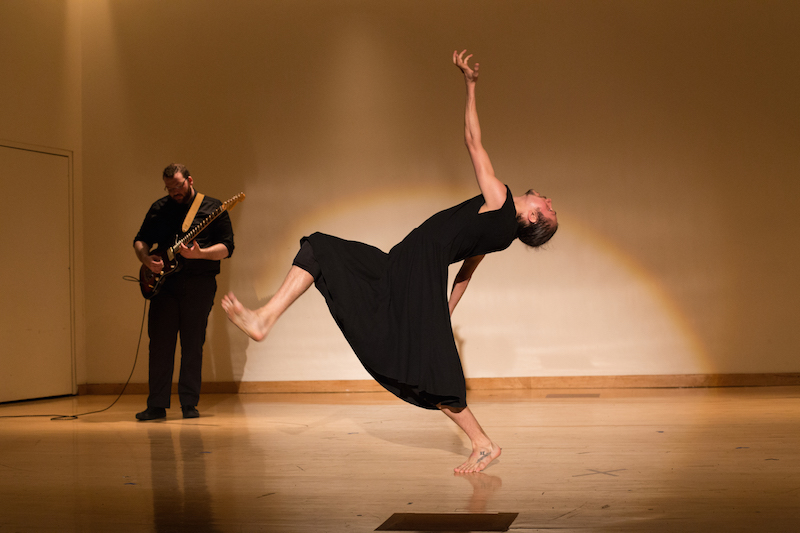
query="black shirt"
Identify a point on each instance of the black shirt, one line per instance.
(162, 226)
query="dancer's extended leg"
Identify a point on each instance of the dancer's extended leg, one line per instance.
(257, 323)
(484, 451)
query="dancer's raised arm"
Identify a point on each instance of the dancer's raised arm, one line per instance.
(493, 190)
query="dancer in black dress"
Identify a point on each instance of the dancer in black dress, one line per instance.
(393, 308)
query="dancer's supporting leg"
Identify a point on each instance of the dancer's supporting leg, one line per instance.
(257, 323)
(484, 451)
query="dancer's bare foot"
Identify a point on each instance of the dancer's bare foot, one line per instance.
(484, 451)
(247, 320)
(479, 459)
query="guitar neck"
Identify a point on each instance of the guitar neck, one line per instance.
(190, 236)
(195, 231)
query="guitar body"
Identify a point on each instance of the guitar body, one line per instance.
(150, 282)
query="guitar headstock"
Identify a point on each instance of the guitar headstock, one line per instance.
(233, 201)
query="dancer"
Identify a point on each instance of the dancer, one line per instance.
(393, 308)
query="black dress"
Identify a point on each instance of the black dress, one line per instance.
(393, 308)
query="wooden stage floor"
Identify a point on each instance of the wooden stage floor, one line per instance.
(707, 460)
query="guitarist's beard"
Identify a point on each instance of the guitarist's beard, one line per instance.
(184, 198)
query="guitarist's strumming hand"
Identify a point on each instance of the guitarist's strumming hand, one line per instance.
(155, 263)
(151, 261)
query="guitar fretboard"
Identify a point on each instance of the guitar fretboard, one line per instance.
(189, 237)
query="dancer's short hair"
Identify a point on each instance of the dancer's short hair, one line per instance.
(535, 234)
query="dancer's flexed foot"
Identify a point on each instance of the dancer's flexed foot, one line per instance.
(249, 321)
(257, 323)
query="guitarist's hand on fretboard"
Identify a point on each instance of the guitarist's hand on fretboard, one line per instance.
(215, 252)
(191, 252)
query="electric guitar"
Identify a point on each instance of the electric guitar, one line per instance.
(150, 282)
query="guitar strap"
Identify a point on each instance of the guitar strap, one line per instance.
(187, 222)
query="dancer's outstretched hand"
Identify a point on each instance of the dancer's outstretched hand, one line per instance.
(470, 74)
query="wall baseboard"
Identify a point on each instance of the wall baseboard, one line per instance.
(523, 383)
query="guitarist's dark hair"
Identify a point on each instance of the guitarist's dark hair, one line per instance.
(174, 168)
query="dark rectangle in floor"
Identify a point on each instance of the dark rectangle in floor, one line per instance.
(455, 522)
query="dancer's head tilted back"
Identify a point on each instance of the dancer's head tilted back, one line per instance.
(536, 219)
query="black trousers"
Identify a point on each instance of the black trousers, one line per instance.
(180, 308)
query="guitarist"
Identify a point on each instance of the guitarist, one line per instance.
(183, 303)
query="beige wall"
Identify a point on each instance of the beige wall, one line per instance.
(666, 132)
(40, 109)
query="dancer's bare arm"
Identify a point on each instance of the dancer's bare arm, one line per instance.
(493, 190)
(462, 280)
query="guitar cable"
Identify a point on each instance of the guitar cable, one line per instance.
(135, 360)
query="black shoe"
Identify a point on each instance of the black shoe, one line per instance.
(190, 411)
(152, 413)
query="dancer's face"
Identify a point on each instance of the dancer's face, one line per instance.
(542, 204)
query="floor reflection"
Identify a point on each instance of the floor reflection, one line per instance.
(181, 499)
(694, 460)
(483, 488)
